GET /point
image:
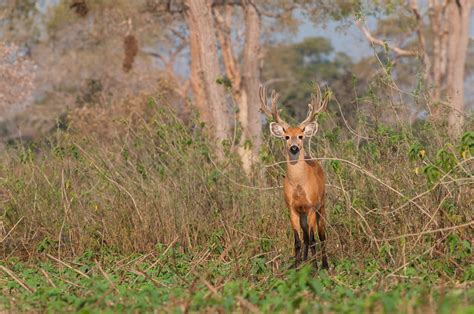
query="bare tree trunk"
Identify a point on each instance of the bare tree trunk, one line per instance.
(249, 115)
(457, 15)
(245, 77)
(201, 25)
(195, 77)
(224, 25)
(434, 78)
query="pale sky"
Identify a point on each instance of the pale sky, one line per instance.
(349, 40)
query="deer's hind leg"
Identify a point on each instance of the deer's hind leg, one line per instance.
(321, 219)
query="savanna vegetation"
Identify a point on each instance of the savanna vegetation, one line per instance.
(127, 198)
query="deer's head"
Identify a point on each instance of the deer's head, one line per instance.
(294, 136)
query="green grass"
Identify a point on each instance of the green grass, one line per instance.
(172, 281)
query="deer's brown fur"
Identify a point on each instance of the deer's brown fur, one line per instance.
(304, 185)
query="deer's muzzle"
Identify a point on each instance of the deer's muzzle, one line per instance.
(294, 152)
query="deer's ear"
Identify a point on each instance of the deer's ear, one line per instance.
(276, 129)
(311, 129)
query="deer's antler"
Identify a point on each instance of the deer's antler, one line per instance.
(273, 113)
(317, 101)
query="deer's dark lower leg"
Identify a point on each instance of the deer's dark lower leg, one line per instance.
(322, 236)
(297, 249)
(312, 245)
(304, 226)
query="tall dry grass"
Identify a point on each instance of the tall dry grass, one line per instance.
(134, 177)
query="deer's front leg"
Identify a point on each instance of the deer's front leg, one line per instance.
(295, 223)
(297, 249)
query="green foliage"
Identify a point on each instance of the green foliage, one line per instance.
(432, 173)
(445, 161)
(224, 81)
(466, 147)
(137, 283)
(335, 166)
(416, 151)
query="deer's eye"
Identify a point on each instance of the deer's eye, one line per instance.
(300, 137)
(287, 137)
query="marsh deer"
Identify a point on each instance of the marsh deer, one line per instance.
(304, 185)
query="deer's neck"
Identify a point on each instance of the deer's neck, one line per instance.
(297, 170)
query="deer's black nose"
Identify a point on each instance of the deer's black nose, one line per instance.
(294, 149)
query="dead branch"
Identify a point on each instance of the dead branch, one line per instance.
(375, 41)
(277, 15)
(421, 34)
(464, 225)
(223, 23)
(17, 279)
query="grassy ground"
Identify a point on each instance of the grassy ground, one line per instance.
(129, 211)
(169, 280)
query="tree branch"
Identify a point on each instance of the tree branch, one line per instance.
(223, 29)
(156, 55)
(375, 41)
(178, 34)
(172, 57)
(286, 10)
(166, 6)
(421, 36)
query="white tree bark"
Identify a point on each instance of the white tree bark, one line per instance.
(195, 79)
(244, 77)
(249, 114)
(202, 30)
(458, 15)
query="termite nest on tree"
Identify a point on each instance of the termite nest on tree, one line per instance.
(130, 44)
(80, 7)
